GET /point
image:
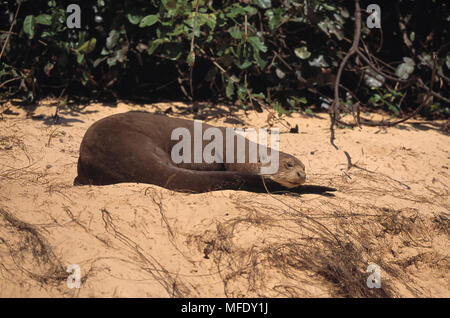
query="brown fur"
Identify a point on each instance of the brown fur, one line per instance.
(136, 147)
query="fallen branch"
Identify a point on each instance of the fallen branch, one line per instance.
(10, 29)
(191, 58)
(334, 109)
(418, 109)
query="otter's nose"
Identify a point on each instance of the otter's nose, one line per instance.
(301, 175)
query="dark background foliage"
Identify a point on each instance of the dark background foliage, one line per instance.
(254, 53)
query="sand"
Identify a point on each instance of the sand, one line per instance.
(391, 208)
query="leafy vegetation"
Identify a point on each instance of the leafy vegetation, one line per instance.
(255, 53)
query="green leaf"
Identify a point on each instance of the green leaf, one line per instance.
(122, 53)
(112, 39)
(80, 58)
(242, 91)
(302, 52)
(280, 73)
(309, 112)
(405, 69)
(84, 79)
(261, 63)
(45, 19)
(426, 59)
(278, 108)
(210, 19)
(28, 26)
(251, 10)
(299, 100)
(154, 45)
(200, 3)
(170, 4)
(234, 12)
(318, 62)
(230, 89)
(264, 4)
(47, 34)
(190, 60)
(119, 56)
(274, 17)
(243, 65)
(344, 13)
(30, 96)
(104, 51)
(234, 79)
(235, 32)
(393, 108)
(257, 44)
(111, 60)
(87, 47)
(258, 95)
(149, 20)
(179, 29)
(134, 19)
(328, 7)
(98, 61)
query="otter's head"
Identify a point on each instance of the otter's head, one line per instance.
(291, 171)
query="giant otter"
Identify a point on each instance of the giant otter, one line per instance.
(137, 147)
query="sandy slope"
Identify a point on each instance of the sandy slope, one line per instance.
(137, 240)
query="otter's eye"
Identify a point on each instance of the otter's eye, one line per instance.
(289, 164)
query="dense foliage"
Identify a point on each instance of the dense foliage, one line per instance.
(260, 52)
